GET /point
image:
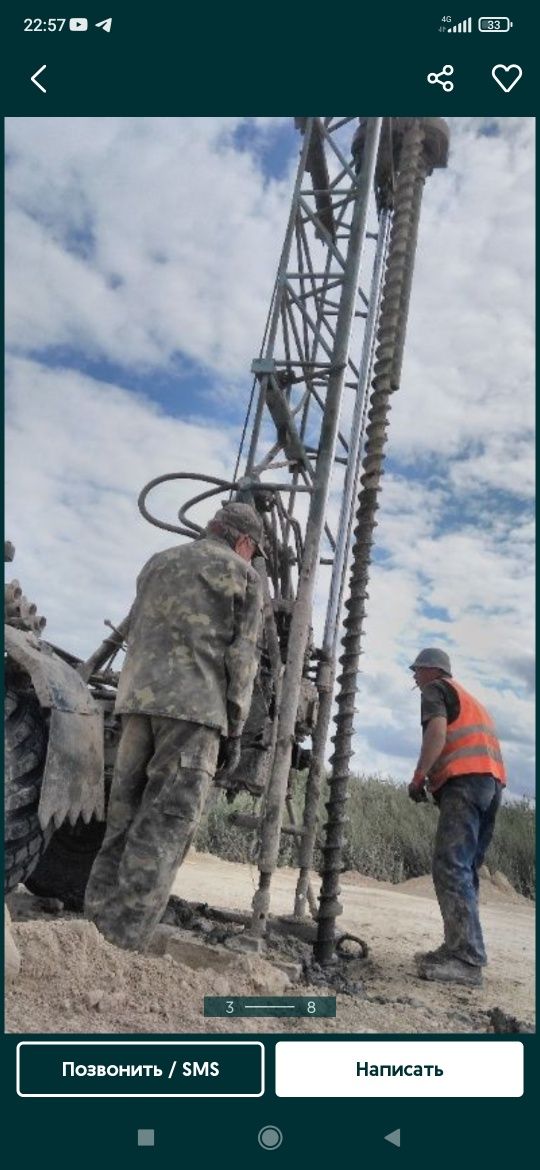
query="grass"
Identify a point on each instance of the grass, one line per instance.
(388, 836)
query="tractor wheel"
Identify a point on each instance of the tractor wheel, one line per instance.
(52, 865)
(64, 869)
(25, 751)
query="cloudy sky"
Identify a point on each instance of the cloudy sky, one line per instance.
(141, 255)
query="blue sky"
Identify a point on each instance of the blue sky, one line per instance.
(274, 146)
(141, 255)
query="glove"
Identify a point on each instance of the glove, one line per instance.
(417, 794)
(229, 754)
(417, 791)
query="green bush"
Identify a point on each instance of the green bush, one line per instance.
(217, 835)
(513, 847)
(388, 837)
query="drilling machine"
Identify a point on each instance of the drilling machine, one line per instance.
(311, 462)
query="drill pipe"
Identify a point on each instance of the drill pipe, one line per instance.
(301, 615)
(387, 370)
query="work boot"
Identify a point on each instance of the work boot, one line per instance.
(435, 956)
(452, 970)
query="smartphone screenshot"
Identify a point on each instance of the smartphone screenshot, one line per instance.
(269, 818)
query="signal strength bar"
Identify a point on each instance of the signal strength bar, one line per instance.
(462, 27)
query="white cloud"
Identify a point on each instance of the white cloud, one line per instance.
(78, 454)
(468, 369)
(178, 231)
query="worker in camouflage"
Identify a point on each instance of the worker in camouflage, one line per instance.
(184, 695)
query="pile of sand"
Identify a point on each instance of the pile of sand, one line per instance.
(73, 980)
(494, 887)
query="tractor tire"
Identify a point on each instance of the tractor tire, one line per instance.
(63, 870)
(25, 751)
(52, 865)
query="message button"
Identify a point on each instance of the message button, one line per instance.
(401, 1068)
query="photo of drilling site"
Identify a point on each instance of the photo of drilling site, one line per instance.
(269, 698)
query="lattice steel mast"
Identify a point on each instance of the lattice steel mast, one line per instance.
(305, 442)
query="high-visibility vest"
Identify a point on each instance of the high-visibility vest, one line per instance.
(471, 743)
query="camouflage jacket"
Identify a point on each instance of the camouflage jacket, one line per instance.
(193, 631)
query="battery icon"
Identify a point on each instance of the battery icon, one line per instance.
(494, 24)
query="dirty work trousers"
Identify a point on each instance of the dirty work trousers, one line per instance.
(468, 807)
(161, 779)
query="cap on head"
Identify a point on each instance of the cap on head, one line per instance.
(436, 659)
(242, 520)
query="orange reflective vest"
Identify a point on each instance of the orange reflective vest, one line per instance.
(471, 743)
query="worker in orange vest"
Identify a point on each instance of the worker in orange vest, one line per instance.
(461, 764)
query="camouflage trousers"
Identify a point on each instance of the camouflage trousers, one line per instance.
(161, 779)
(468, 807)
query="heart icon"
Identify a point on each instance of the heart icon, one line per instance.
(507, 76)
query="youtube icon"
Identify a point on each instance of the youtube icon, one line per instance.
(78, 24)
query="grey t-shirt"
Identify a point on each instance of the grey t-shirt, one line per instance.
(439, 698)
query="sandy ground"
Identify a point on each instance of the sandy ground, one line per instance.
(73, 981)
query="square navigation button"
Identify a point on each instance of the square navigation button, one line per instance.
(145, 1137)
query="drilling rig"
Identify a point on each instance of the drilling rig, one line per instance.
(311, 461)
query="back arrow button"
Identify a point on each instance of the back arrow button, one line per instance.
(38, 83)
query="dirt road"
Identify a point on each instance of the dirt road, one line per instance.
(74, 981)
